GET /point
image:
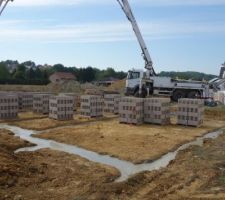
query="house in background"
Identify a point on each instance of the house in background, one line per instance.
(61, 77)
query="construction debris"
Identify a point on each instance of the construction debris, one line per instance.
(61, 107)
(91, 106)
(111, 103)
(157, 111)
(190, 112)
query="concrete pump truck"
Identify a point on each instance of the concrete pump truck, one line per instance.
(3, 4)
(142, 83)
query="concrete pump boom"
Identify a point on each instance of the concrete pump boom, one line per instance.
(128, 12)
(3, 5)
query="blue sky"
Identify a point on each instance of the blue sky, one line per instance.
(181, 34)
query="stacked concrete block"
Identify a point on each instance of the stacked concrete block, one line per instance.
(41, 103)
(76, 99)
(157, 111)
(25, 101)
(8, 106)
(91, 106)
(61, 107)
(111, 103)
(190, 112)
(131, 110)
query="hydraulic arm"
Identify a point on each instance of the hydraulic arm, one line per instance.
(3, 4)
(147, 58)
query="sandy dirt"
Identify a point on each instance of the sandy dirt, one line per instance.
(23, 116)
(46, 123)
(198, 173)
(46, 174)
(132, 143)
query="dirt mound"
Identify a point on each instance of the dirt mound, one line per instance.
(67, 86)
(118, 86)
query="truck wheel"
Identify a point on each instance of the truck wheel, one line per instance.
(178, 94)
(142, 95)
(193, 95)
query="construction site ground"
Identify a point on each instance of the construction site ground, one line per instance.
(46, 174)
(136, 144)
(196, 173)
(46, 123)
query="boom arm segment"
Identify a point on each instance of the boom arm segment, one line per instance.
(128, 12)
(2, 6)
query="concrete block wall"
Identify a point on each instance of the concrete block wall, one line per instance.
(157, 111)
(111, 103)
(131, 110)
(91, 106)
(41, 103)
(190, 112)
(8, 106)
(61, 107)
(76, 99)
(25, 101)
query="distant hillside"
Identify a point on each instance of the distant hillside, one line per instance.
(198, 76)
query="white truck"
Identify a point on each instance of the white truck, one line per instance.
(142, 83)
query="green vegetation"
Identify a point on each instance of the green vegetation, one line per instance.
(28, 73)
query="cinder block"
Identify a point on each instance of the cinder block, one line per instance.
(61, 107)
(157, 111)
(91, 106)
(131, 110)
(8, 106)
(190, 112)
(41, 103)
(111, 103)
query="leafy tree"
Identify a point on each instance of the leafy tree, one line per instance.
(20, 72)
(4, 73)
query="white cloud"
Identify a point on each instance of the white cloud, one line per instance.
(104, 32)
(112, 2)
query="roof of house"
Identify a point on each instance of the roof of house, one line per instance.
(64, 75)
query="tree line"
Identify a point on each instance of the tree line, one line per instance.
(12, 72)
(28, 73)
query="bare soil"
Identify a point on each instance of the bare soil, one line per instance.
(46, 123)
(46, 174)
(132, 143)
(198, 173)
(23, 116)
